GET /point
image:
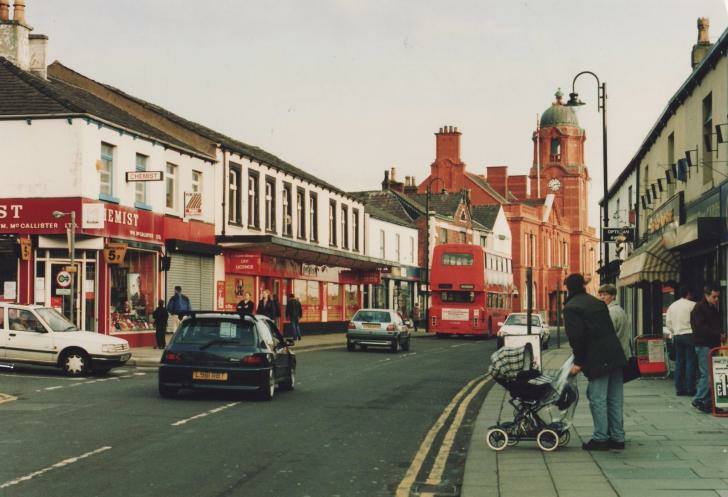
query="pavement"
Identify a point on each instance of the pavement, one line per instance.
(671, 450)
(150, 357)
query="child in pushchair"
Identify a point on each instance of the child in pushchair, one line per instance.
(533, 395)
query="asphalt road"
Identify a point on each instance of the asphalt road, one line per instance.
(352, 427)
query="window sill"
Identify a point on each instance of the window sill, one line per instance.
(254, 228)
(271, 232)
(302, 238)
(237, 224)
(143, 206)
(287, 235)
(108, 198)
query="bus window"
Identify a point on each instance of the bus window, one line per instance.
(450, 259)
(458, 297)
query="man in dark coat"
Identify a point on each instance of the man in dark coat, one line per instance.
(707, 328)
(161, 316)
(599, 355)
(294, 311)
(246, 306)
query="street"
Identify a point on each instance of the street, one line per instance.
(352, 427)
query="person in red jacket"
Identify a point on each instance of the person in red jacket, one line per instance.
(708, 331)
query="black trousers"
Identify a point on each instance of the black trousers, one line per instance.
(160, 334)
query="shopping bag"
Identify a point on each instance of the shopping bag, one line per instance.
(631, 370)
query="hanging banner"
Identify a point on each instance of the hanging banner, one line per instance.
(114, 253)
(193, 204)
(26, 249)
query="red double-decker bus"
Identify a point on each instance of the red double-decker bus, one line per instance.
(470, 290)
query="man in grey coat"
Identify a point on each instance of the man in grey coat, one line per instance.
(608, 295)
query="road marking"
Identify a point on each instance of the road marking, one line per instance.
(206, 413)
(438, 468)
(56, 387)
(57, 465)
(405, 486)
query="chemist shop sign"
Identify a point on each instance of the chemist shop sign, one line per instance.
(35, 216)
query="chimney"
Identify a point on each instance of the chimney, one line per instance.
(448, 144)
(409, 185)
(38, 45)
(15, 35)
(385, 183)
(703, 46)
(497, 177)
(392, 174)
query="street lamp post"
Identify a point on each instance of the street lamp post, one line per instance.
(427, 251)
(72, 253)
(602, 107)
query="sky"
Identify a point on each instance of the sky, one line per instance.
(348, 88)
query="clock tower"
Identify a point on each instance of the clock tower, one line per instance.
(558, 151)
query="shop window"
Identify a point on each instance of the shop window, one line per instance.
(344, 227)
(287, 210)
(234, 194)
(332, 223)
(301, 213)
(133, 292)
(235, 288)
(333, 302)
(253, 200)
(351, 300)
(270, 204)
(171, 186)
(355, 227)
(196, 182)
(140, 187)
(308, 294)
(106, 170)
(313, 217)
(8, 270)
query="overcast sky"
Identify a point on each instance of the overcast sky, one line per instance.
(348, 88)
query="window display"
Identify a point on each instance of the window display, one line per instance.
(235, 288)
(133, 292)
(351, 304)
(333, 302)
(308, 293)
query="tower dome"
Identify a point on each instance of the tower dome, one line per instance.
(559, 114)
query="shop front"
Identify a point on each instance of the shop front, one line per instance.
(113, 282)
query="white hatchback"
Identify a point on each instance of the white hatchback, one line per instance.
(33, 334)
(516, 324)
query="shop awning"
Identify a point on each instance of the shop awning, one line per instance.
(651, 262)
(303, 252)
(703, 229)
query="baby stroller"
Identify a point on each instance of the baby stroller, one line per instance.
(534, 396)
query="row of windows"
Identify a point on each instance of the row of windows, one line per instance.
(498, 263)
(397, 247)
(106, 178)
(306, 210)
(497, 300)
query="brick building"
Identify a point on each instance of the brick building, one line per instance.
(546, 209)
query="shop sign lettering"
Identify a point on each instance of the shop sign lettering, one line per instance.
(309, 269)
(242, 263)
(12, 210)
(122, 217)
(665, 215)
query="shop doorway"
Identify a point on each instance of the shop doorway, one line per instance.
(62, 279)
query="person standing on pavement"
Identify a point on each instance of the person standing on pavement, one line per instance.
(707, 333)
(415, 315)
(178, 304)
(294, 312)
(677, 322)
(599, 355)
(608, 295)
(246, 306)
(161, 316)
(267, 306)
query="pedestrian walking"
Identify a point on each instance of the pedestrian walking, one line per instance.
(608, 295)
(294, 312)
(599, 355)
(161, 316)
(707, 333)
(246, 306)
(267, 306)
(416, 315)
(178, 304)
(679, 329)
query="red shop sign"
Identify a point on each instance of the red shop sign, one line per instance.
(130, 224)
(360, 278)
(236, 263)
(35, 216)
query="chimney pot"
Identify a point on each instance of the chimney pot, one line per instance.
(392, 174)
(703, 30)
(703, 46)
(19, 11)
(4, 10)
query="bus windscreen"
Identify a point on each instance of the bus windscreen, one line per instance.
(458, 297)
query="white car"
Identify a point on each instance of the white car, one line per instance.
(33, 334)
(516, 324)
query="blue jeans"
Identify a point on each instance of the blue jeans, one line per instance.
(296, 329)
(606, 400)
(685, 359)
(702, 394)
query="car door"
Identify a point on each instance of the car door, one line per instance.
(28, 339)
(269, 333)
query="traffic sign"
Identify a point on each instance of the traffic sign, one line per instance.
(618, 235)
(63, 278)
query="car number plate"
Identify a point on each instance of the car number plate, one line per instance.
(209, 376)
(371, 326)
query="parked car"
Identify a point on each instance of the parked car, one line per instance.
(33, 334)
(516, 324)
(378, 328)
(214, 350)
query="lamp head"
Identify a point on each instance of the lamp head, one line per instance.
(58, 214)
(574, 100)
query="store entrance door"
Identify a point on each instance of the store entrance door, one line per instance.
(60, 295)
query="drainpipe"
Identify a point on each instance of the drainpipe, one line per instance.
(224, 184)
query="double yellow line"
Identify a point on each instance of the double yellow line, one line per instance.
(438, 468)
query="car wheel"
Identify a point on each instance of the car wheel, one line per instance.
(406, 345)
(290, 382)
(268, 387)
(75, 363)
(350, 346)
(545, 344)
(167, 392)
(394, 346)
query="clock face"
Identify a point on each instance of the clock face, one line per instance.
(554, 185)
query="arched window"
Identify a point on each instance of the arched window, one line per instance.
(555, 150)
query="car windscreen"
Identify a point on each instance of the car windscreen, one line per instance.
(55, 320)
(372, 317)
(520, 320)
(205, 331)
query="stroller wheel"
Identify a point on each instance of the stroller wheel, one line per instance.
(564, 438)
(547, 440)
(497, 438)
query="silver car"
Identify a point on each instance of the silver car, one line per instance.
(378, 328)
